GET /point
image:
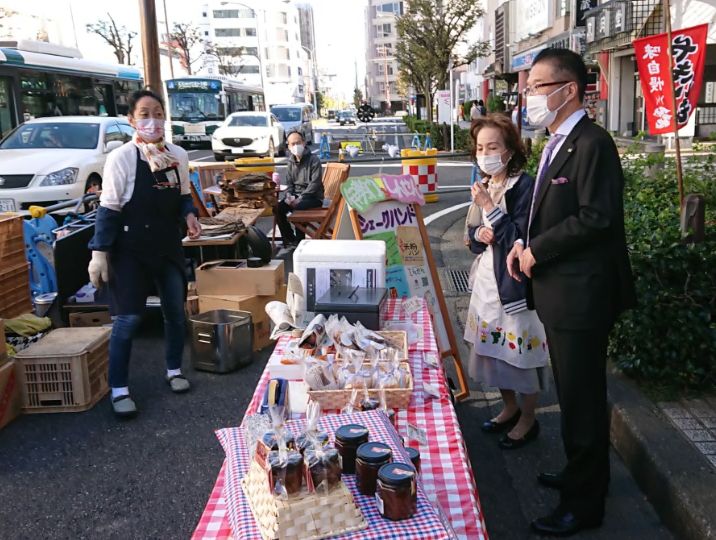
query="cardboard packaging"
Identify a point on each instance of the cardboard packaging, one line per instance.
(227, 278)
(3, 348)
(10, 398)
(89, 319)
(253, 304)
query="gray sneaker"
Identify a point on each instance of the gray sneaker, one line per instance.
(124, 406)
(179, 384)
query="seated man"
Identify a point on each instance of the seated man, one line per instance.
(304, 179)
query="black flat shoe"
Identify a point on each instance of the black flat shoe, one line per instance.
(508, 443)
(563, 523)
(496, 427)
(551, 480)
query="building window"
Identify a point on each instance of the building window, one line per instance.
(270, 72)
(300, 71)
(382, 31)
(237, 51)
(250, 69)
(390, 70)
(266, 53)
(391, 7)
(249, 31)
(283, 17)
(289, 71)
(385, 49)
(233, 13)
(206, 32)
(281, 35)
(203, 14)
(284, 71)
(227, 32)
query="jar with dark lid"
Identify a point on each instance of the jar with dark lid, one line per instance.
(369, 404)
(287, 471)
(414, 455)
(324, 467)
(307, 440)
(396, 493)
(370, 457)
(348, 439)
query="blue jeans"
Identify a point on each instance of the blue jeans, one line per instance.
(170, 286)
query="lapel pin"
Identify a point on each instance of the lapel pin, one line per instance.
(569, 149)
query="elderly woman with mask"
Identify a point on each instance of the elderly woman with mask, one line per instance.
(509, 346)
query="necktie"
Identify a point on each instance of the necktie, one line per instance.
(542, 171)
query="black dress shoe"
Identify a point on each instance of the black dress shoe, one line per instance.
(563, 523)
(496, 427)
(551, 480)
(508, 443)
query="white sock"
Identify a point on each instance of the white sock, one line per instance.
(123, 391)
(173, 372)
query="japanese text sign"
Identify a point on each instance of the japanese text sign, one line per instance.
(362, 192)
(652, 56)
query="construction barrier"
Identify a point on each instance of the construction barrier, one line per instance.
(422, 165)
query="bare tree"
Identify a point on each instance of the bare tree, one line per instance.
(228, 64)
(117, 37)
(186, 39)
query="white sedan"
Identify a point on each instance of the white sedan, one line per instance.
(248, 133)
(53, 159)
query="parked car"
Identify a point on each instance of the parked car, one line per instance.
(347, 117)
(47, 160)
(332, 114)
(298, 116)
(248, 133)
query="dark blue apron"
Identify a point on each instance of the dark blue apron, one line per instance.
(149, 238)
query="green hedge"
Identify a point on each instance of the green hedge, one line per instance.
(462, 136)
(669, 340)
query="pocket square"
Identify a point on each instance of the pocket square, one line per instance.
(560, 180)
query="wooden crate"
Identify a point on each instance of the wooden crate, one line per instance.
(307, 517)
(66, 371)
(396, 398)
(15, 297)
(12, 241)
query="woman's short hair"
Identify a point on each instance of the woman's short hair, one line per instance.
(511, 137)
(139, 94)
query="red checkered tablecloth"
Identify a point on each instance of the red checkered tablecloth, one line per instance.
(446, 474)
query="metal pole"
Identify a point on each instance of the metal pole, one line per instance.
(169, 41)
(150, 45)
(679, 171)
(452, 114)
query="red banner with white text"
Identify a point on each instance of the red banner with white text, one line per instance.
(652, 56)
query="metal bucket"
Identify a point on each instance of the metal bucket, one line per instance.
(222, 340)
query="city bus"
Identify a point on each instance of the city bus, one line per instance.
(43, 79)
(198, 105)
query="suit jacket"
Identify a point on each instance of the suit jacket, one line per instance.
(582, 278)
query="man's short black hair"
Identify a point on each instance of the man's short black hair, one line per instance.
(568, 64)
(297, 132)
(139, 94)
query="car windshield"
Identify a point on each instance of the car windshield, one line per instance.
(194, 106)
(288, 114)
(245, 120)
(83, 136)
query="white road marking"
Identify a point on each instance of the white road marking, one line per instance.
(446, 211)
(203, 158)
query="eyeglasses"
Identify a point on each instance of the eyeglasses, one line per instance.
(532, 90)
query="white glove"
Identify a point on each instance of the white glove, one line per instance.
(98, 269)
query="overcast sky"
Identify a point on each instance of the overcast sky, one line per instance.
(340, 33)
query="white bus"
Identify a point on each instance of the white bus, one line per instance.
(198, 105)
(42, 79)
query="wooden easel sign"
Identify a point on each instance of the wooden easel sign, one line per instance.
(388, 208)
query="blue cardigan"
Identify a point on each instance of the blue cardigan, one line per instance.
(507, 228)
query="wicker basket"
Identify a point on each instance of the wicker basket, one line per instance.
(15, 297)
(396, 398)
(398, 339)
(307, 517)
(66, 371)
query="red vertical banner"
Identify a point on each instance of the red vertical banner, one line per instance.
(659, 83)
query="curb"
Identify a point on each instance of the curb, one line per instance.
(676, 479)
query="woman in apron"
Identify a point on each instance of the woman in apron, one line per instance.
(509, 349)
(137, 244)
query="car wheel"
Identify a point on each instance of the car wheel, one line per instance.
(271, 149)
(218, 157)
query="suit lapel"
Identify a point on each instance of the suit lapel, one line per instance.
(565, 152)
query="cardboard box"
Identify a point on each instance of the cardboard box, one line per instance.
(10, 394)
(224, 278)
(253, 304)
(86, 319)
(3, 347)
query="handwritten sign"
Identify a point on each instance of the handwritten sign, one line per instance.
(410, 245)
(396, 281)
(392, 253)
(362, 192)
(386, 217)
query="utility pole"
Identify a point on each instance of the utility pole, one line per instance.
(150, 45)
(169, 41)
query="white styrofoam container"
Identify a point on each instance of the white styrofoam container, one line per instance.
(321, 264)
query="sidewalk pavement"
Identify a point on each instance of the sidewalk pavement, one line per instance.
(648, 453)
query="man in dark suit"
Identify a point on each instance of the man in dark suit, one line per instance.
(575, 255)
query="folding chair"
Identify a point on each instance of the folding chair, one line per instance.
(318, 223)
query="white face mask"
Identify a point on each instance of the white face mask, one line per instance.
(297, 150)
(150, 129)
(492, 164)
(538, 112)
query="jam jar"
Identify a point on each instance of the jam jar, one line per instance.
(307, 440)
(369, 404)
(370, 457)
(396, 491)
(286, 470)
(324, 467)
(414, 455)
(348, 439)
